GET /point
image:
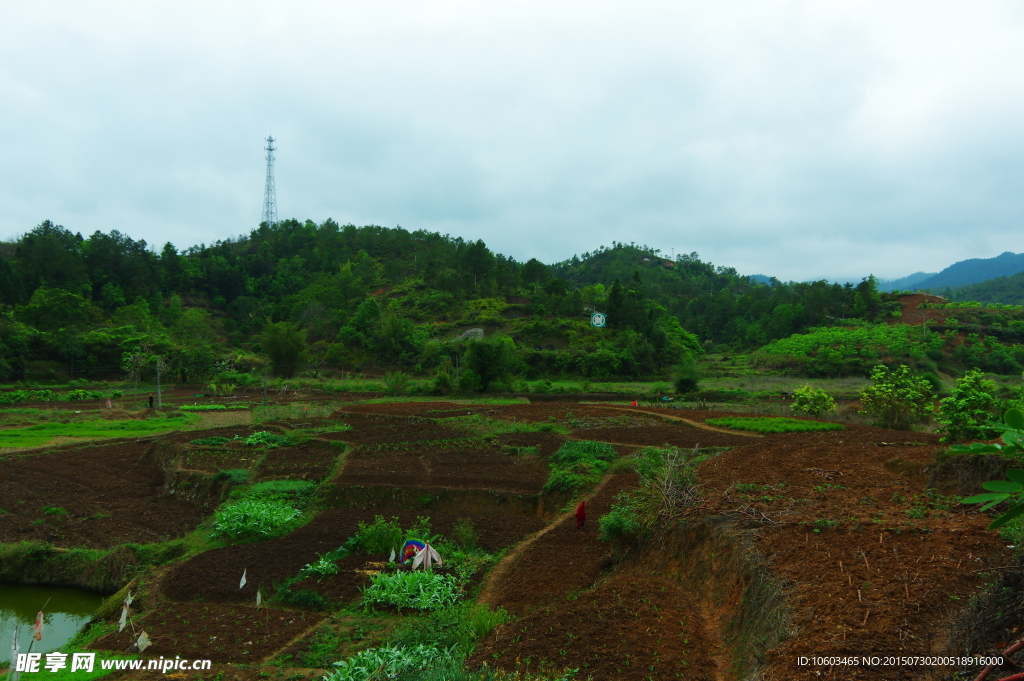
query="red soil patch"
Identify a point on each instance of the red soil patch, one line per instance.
(187, 436)
(213, 576)
(112, 494)
(221, 633)
(561, 561)
(546, 443)
(371, 430)
(468, 465)
(212, 460)
(310, 461)
(913, 315)
(633, 626)
(681, 435)
(875, 565)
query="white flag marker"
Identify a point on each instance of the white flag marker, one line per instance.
(242, 583)
(15, 649)
(427, 557)
(143, 642)
(392, 558)
(259, 597)
(124, 612)
(38, 627)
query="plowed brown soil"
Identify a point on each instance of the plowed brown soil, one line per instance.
(546, 443)
(311, 461)
(875, 565)
(632, 626)
(466, 465)
(213, 576)
(679, 435)
(95, 497)
(221, 633)
(563, 560)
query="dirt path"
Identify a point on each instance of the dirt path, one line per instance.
(695, 424)
(489, 591)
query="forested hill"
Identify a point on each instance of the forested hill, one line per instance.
(346, 295)
(1005, 290)
(973, 271)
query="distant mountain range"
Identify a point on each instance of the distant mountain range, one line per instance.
(908, 282)
(975, 270)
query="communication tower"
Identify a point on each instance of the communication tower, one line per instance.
(269, 191)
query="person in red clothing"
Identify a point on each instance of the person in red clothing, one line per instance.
(581, 515)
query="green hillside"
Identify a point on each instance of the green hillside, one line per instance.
(307, 299)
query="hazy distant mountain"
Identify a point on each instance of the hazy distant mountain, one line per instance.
(761, 278)
(1007, 290)
(908, 282)
(975, 270)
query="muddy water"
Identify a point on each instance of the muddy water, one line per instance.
(65, 612)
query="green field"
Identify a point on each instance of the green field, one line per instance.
(772, 424)
(42, 433)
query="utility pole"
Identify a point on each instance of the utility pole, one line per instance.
(159, 397)
(269, 190)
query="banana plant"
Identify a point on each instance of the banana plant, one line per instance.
(1001, 490)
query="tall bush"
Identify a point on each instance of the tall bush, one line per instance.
(963, 414)
(812, 401)
(897, 399)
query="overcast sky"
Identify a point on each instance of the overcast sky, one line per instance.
(796, 139)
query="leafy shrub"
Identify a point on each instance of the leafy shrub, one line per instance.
(17, 396)
(963, 414)
(443, 384)
(622, 522)
(380, 536)
(897, 399)
(772, 424)
(306, 599)
(579, 464)
(667, 489)
(291, 492)
(78, 395)
(14, 397)
(323, 567)
(840, 351)
(233, 476)
(1002, 490)
(267, 439)
(420, 590)
(254, 519)
(812, 401)
(464, 534)
(391, 662)
(687, 378)
(397, 383)
(115, 394)
(213, 441)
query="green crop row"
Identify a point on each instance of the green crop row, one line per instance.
(419, 590)
(578, 465)
(772, 424)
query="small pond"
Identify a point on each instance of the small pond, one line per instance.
(65, 613)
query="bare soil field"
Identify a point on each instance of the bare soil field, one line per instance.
(221, 633)
(213, 576)
(93, 497)
(868, 559)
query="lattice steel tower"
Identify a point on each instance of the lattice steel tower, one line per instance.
(269, 191)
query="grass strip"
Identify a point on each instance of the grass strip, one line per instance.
(42, 433)
(772, 424)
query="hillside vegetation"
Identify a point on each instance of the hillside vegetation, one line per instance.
(302, 298)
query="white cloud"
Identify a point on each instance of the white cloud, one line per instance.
(799, 139)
